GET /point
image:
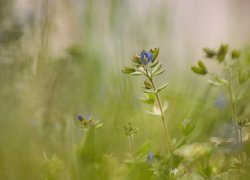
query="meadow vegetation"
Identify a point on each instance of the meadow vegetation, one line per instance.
(101, 95)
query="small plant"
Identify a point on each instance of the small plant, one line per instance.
(87, 122)
(233, 76)
(147, 65)
(167, 166)
(130, 130)
(86, 151)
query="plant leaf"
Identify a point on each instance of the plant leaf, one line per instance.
(128, 70)
(235, 54)
(214, 83)
(148, 91)
(243, 76)
(156, 68)
(136, 73)
(209, 52)
(147, 85)
(159, 72)
(153, 64)
(155, 53)
(162, 87)
(222, 52)
(220, 80)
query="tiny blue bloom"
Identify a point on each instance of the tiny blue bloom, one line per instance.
(146, 57)
(150, 158)
(220, 102)
(79, 117)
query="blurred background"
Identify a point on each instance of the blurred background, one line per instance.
(62, 58)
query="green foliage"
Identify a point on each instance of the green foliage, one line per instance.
(200, 69)
(152, 69)
(40, 140)
(186, 127)
(128, 70)
(130, 129)
(243, 75)
(235, 54)
(233, 77)
(222, 52)
(89, 122)
(147, 65)
(155, 53)
(209, 52)
(45, 82)
(150, 98)
(52, 167)
(217, 81)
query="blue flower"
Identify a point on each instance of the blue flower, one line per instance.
(79, 117)
(146, 57)
(220, 102)
(150, 158)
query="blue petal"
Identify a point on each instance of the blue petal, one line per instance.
(79, 117)
(143, 54)
(149, 55)
(146, 57)
(150, 158)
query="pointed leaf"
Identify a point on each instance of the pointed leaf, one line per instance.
(220, 80)
(156, 68)
(196, 70)
(148, 91)
(153, 64)
(214, 83)
(128, 70)
(209, 52)
(142, 152)
(202, 66)
(150, 99)
(162, 87)
(140, 69)
(147, 85)
(159, 72)
(200, 69)
(136, 59)
(222, 52)
(155, 53)
(136, 73)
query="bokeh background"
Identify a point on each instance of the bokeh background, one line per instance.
(63, 57)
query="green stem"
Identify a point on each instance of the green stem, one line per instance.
(163, 119)
(132, 143)
(241, 134)
(232, 100)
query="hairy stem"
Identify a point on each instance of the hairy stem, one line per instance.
(233, 104)
(132, 143)
(163, 119)
(241, 134)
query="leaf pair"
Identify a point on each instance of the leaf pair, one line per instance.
(221, 53)
(200, 68)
